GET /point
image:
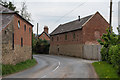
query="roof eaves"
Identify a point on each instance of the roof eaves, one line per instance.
(65, 32)
(17, 15)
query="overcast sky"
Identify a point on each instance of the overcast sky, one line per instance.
(55, 12)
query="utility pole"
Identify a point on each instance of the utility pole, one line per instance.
(110, 17)
(37, 30)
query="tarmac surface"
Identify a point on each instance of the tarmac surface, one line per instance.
(51, 66)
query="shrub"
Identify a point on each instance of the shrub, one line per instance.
(111, 48)
(104, 54)
(41, 46)
(114, 52)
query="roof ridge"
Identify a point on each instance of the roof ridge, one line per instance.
(77, 19)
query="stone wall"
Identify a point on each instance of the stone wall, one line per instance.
(67, 50)
(17, 55)
(91, 52)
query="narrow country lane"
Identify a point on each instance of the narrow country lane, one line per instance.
(50, 66)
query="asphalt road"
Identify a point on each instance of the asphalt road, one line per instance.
(50, 66)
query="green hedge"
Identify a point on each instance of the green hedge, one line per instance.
(114, 56)
(9, 69)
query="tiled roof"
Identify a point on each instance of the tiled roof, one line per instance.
(5, 10)
(71, 26)
(6, 19)
(45, 33)
(6, 16)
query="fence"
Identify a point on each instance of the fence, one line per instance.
(92, 52)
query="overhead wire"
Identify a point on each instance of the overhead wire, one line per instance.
(68, 13)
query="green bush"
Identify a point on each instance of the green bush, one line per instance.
(41, 46)
(104, 54)
(114, 52)
(111, 48)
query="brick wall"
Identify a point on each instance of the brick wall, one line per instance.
(17, 54)
(94, 29)
(60, 39)
(20, 32)
(44, 36)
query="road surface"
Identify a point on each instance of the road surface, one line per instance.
(50, 66)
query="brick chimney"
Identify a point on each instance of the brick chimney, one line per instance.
(46, 29)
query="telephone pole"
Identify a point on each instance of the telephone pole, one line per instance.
(37, 30)
(110, 16)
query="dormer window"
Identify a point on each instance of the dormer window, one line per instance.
(18, 24)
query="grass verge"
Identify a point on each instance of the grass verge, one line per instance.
(105, 70)
(10, 69)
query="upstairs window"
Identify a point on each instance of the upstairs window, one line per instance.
(21, 42)
(57, 38)
(52, 38)
(24, 27)
(65, 36)
(43, 35)
(18, 24)
(29, 30)
(74, 36)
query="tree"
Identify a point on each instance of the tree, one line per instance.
(24, 13)
(108, 39)
(8, 5)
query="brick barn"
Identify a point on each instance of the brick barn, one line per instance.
(78, 38)
(45, 35)
(16, 37)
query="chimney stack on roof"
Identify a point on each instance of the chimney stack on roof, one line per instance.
(79, 18)
(46, 29)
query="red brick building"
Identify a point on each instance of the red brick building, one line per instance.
(79, 38)
(16, 37)
(44, 35)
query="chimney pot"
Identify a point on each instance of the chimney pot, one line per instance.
(46, 29)
(79, 18)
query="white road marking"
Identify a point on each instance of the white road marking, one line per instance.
(44, 76)
(57, 67)
(53, 70)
